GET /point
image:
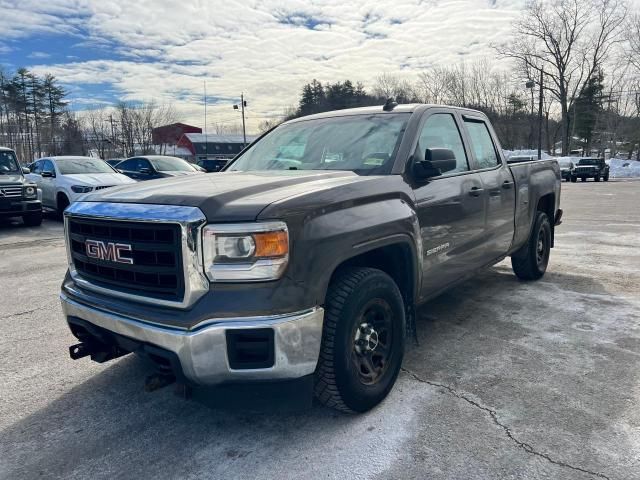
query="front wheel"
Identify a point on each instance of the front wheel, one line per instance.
(583, 179)
(606, 178)
(574, 179)
(362, 340)
(530, 262)
(597, 178)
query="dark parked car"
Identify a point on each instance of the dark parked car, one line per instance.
(595, 168)
(213, 165)
(566, 168)
(18, 196)
(150, 167)
(305, 259)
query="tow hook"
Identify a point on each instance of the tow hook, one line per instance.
(98, 352)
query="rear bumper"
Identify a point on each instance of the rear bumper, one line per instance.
(203, 353)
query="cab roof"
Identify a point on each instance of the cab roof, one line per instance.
(401, 108)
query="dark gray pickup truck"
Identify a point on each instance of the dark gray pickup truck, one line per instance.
(307, 256)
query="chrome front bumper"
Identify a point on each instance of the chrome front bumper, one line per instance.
(202, 351)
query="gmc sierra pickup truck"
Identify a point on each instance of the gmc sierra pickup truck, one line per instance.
(18, 196)
(308, 255)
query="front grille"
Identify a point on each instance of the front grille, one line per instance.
(584, 170)
(102, 187)
(156, 250)
(10, 191)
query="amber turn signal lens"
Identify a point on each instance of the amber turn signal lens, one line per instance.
(271, 244)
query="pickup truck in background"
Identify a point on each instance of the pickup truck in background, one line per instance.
(307, 256)
(18, 195)
(595, 168)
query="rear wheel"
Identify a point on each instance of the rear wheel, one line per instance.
(32, 219)
(530, 262)
(362, 341)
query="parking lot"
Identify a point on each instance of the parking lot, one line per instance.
(509, 380)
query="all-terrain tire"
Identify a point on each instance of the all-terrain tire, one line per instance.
(32, 219)
(340, 382)
(530, 262)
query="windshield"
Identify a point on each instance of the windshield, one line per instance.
(365, 144)
(79, 165)
(588, 161)
(8, 162)
(171, 164)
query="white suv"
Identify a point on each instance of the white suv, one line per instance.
(62, 180)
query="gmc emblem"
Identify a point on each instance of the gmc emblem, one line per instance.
(109, 251)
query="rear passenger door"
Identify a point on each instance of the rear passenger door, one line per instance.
(449, 207)
(498, 184)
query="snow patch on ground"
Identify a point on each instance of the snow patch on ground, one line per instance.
(623, 168)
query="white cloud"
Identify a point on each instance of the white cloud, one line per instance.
(266, 48)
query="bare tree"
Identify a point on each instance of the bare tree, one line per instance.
(389, 86)
(568, 40)
(633, 41)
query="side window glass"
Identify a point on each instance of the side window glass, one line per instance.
(440, 131)
(37, 167)
(144, 163)
(128, 165)
(48, 166)
(482, 144)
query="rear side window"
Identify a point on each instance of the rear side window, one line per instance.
(440, 131)
(482, 144)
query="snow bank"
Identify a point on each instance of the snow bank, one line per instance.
(623, 168)
(531, 153)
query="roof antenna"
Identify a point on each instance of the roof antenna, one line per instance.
(390, 105)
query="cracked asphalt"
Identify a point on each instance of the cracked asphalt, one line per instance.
(510, 380)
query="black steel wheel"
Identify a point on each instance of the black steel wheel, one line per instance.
(362, 342)
(531, 261)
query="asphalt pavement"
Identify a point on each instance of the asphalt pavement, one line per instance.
(509, 380)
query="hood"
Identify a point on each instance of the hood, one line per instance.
(228, 196)
(179, 174)
(100, 178)
(11, 179)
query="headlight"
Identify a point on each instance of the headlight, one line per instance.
(249, 252)
(81, 188)
(30, 192)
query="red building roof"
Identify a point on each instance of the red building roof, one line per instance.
(170, 134)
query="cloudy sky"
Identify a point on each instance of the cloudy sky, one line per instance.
(104, 50)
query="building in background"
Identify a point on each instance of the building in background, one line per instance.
(199, 146)
(171, 134)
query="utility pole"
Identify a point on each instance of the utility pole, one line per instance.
(531, 85)
(206, 144)
(541, 99)
(243, 104)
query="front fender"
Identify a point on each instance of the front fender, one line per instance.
(333, 237)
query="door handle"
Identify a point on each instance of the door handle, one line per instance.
(476, 191)
(507, 184)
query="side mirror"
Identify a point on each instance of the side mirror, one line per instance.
(145, 171)
(25, 170)
(47, 174)
(436, 162)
